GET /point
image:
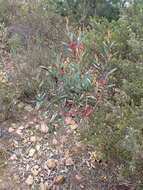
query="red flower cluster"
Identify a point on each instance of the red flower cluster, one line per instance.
(72, 114)
(69, 102)
(73, 46)
(88, 110)
(61, 71)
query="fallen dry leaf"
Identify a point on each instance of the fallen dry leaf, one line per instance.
(29, 180)
(33, 139)
(59, 179)
(31, 152)
(69, 121)
(51, 163)
(69, 162)
(44, 128)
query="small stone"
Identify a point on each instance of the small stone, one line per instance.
(51, 163)
(69, 162)
(44, 128)
(33, 139)
(45, 166)
(55, 142)
(36, 167)
(13, 157)
(81, 186)
(19, 132)
(63, 162)
(29, 180)
(35, 172)
(42, 186)
(31, 152)
(31, 122)
(21, 128)
(78, 177)
(72, 124)
(10, 130)
(27, 167)
(13, 125)
(73, 127)
(21, 105)
(59, 179)
(37, 126)
(37, 147)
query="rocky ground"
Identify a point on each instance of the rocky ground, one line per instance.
(33, 157)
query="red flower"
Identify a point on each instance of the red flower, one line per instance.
(87, 111)
(65, 114)
(73, 113)
(61, 71)
(73, 46)
(81, 47)
(69, 102)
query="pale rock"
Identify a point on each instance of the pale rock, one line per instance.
(27, 167)
(45, 166)
(33, 139)
(42, 186)
(13, 157)
(21, 127)
(21, 105)
(10, 130)
(19, 132)
(35, 172)
(31, 152)
(51, 164)
(29, 180)
(44, 128)
(37, 127)
(69, 121)
(36, 167)
(31, 123)
(73, 127)
(69, 162)
(13, 125)
(55, 142)
(78, 177)
(37, 147)
(63, 161)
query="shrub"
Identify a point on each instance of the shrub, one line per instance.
(116, 132)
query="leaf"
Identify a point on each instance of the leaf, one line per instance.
(28, 108)
(110, 72)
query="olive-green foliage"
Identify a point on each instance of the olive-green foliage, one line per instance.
(126, 35)
(34, 37)
(6, 101)
(8, 10)
(115, 128)
(117, 134)
(81, 10)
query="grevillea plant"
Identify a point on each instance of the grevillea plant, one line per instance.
(80, 82)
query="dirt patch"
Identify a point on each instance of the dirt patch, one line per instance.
(25, 150)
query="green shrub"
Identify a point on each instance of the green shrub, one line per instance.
(116, 132)
(8, 11)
